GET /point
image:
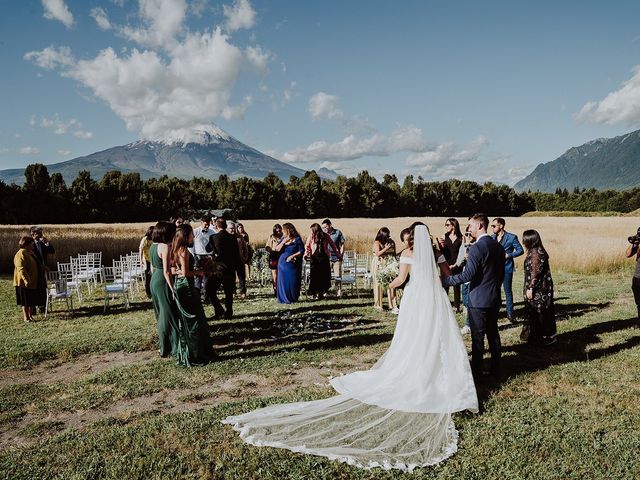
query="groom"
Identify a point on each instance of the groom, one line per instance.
(485, 271)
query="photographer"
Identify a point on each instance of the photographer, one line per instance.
(632, 250)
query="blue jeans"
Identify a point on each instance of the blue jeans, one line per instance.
(508, 292)
(464, 291)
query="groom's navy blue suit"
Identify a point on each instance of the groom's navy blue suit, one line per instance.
(485, 272)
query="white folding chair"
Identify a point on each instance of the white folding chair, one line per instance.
(363, 268)
(348, 272)
(57, 289)
(115, 284)
(67, 271)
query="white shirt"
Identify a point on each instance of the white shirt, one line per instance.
(201, 240)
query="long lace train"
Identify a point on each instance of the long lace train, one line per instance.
(347, 430)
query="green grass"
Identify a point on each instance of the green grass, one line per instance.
(569, 411)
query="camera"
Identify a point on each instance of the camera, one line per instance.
(634, 239)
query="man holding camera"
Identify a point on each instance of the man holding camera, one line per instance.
(632, 250)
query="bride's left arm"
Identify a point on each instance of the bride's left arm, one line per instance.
(402, 276)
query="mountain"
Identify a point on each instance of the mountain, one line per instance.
(605, 163)
(210, 153)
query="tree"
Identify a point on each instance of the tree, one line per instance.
(36, 178)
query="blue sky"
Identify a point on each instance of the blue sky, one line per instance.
(475, 90)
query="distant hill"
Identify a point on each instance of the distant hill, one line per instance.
(605, 163)
(211, 154)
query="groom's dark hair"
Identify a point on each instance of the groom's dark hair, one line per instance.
(482, 218)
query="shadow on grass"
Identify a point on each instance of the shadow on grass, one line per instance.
(563, 312)
(571, 347)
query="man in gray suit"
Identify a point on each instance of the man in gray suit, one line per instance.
(485, 272)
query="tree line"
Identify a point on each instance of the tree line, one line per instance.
(125, 197)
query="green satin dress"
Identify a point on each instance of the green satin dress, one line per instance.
(164, 306)
(194, 343)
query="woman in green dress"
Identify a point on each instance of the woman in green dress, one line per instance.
(194, 344)
(164, 306)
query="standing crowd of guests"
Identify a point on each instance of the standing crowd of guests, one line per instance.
(451, 252)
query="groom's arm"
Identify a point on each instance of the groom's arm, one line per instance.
(473, 264)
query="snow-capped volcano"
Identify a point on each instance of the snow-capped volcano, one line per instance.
(203, 152)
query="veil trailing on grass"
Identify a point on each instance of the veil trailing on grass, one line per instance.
(398, 413)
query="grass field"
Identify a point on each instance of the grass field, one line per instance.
(88, 397)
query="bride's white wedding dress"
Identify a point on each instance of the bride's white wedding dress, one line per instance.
(398, 413)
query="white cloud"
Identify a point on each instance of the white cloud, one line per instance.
(52, 58)
(101, 18)
(239, 15)
(325, 106)
(162, 21)
(198, 7)
(352, 147)
(447, 155)
(83, 134)
(64, 153)
(258, 58)
(4, 150)
(119, 3)
(621, 106)
(61, 127)
(58, 10)
(29, 151)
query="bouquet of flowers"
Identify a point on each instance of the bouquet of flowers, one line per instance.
(388, 269)
(209, 266)
(260, 265)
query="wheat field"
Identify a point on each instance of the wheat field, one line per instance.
(575, 244)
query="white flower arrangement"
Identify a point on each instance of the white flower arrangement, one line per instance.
(388, 270)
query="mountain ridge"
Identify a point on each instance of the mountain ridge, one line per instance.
(209, 153)
(602, 163)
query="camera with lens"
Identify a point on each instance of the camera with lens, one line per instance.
(635, 239)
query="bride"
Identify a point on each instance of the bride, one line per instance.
(398, 413)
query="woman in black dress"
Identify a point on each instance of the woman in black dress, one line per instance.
(539, 308)
(450, 247)
(318, 249)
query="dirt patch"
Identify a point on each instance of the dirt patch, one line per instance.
(226, 389)
(54, 371)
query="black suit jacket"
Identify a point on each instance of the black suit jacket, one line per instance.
(226, 251)
(42, 252)
(485, 271)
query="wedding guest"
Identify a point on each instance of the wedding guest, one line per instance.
(635, 282)
(461, 262)
(318, 249)
(249, 251)
(383, 246)
(289, 277)
(42, 248)
(512, 249)
(194, 344)
(161, 287)
(270, 247)
(450, 246)
(26, 275)
(242, 249)
(539, 306)
(336, 255)
(176, 220)
(227, 254)
(144, 252)
(202, 250)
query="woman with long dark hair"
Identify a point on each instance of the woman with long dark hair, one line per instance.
(194, 344)
(539, 308)
(383, 246)
(161, 287)
(289, 279)
(318, 248)
(450, 247)
(270, 247)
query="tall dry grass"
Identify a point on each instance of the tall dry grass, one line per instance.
(575, 244)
